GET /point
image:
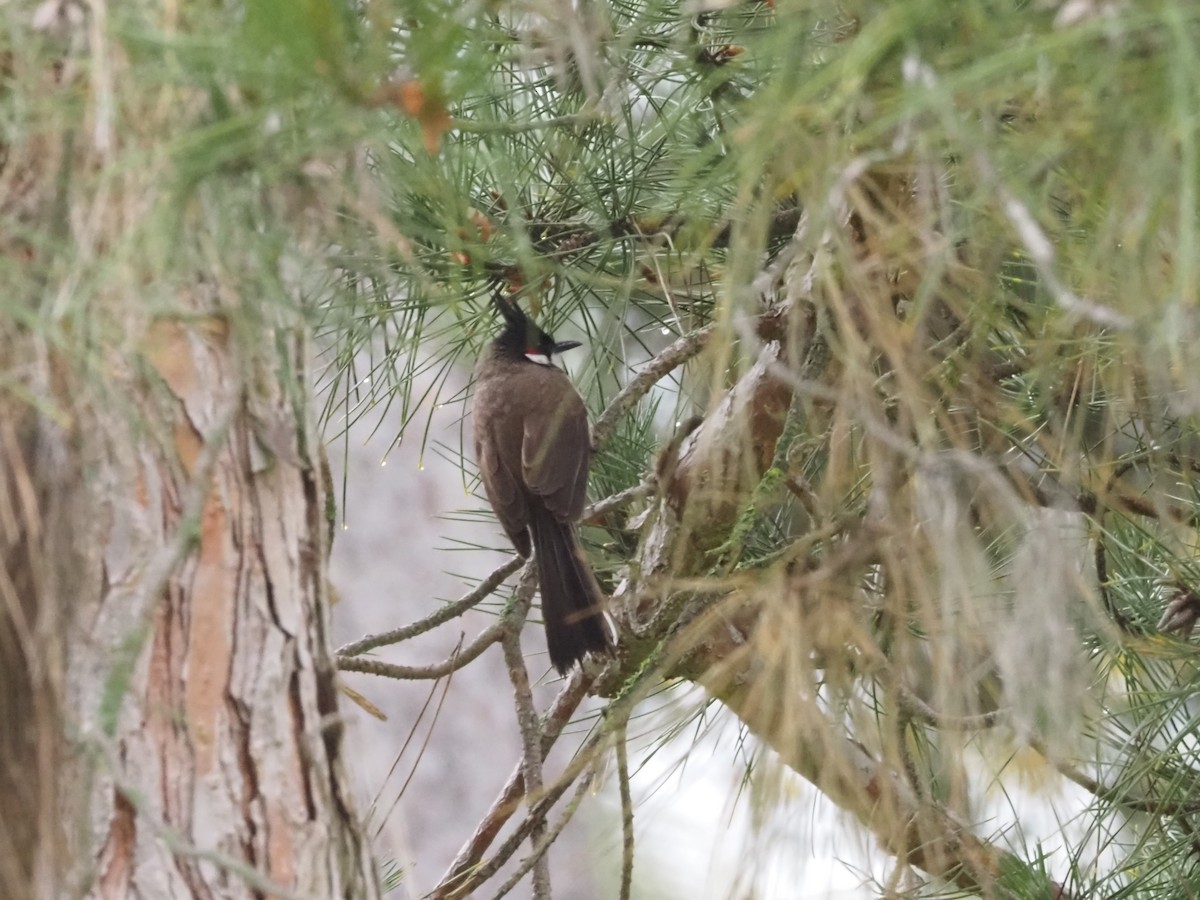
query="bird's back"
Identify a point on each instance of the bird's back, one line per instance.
(532, 413)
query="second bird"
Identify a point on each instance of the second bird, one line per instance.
(533, 447)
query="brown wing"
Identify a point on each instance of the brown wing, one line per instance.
(555, 454)
(504, 493)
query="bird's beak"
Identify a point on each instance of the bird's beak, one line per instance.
(566, 345)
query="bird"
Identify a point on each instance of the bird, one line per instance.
(533, 446)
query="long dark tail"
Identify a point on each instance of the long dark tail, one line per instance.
(572, 603)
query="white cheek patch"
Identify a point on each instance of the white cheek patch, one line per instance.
(540, 358)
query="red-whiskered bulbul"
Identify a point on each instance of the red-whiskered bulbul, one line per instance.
(533, 446)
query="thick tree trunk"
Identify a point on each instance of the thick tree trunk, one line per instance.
(40, 570)
(210, 743)
(168, 717)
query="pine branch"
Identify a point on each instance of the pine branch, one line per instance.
(450, 611)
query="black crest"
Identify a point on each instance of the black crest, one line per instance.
(520, 333)
(513, 315)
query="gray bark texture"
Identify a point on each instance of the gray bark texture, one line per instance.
(203, 675)
(171, 725)
(168, 718)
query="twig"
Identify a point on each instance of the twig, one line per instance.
(542, 845)
(920, 711)
(1113, 795)
(457, 660)
(537, 815)
(622, 737)
(616, 715)
(485, 588)
(412, 769)
(505, 804)
(619, 499)
(527, 720)
(443, 615)
(671, 358)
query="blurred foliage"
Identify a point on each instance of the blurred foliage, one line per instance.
(991, 207)
(999, 204)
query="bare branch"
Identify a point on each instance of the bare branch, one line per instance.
(626, 814)
(443, 615)
(543, 844)
(671, 358)
(486, 638)
(468, 872)
(450, 611)
(1117, 796)
(471, 879)
(506, 802)
(527, 720)
(921, 711)
(615, 501)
